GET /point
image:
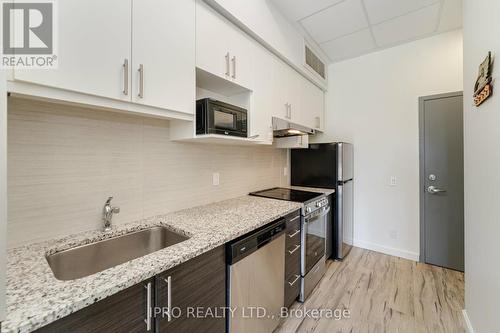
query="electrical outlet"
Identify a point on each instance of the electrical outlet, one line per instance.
(394, 181)
(215, 179)
(285, 171)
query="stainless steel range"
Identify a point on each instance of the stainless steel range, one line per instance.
(315, 208)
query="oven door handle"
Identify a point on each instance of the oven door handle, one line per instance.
(315, 214)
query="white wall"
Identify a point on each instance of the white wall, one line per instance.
(65, 161)
(482, 171)
(372, 101)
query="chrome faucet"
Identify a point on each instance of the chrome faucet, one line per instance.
(107, 214)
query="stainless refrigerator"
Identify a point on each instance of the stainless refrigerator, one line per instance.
(331, 166)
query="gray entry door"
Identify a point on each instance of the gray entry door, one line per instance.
(442, 181)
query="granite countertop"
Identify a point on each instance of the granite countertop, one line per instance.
(36, 298)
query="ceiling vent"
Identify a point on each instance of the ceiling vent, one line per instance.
(314, 62)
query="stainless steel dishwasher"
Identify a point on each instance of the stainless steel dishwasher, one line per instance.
(256, 271)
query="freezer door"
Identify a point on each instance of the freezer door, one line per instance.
(345, 161)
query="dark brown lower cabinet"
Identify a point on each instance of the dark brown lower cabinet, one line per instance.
(197, 295)
(123, 312)
(199, 283)
(292, 258)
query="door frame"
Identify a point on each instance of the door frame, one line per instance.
(421, 158)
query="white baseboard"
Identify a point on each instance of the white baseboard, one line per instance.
(467, 322)
(387, 250)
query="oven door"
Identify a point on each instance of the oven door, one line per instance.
(313, 238)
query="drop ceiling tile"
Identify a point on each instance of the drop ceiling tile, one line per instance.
(407, 27)
(342, 19)
(349, 46)
(381, 10)
(451, 15)
(298, 9)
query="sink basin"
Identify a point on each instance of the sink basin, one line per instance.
(91, 258)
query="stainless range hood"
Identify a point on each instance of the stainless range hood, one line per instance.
(283, 128)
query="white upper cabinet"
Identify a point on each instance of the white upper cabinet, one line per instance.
(139, 51)
(265, 103)
(94, 44)
(312, 105)
(287, 93)
(221, 48)
(163, 54)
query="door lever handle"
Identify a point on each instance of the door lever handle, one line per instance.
(434, 190)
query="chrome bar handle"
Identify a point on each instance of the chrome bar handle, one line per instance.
(125, 77)
(233, 60)
(168, 281)
(228, 69)
(148, 309)
(294, 234)
(141, 81)
(295, 249)
(297, 277)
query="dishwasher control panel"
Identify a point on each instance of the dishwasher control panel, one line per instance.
(245, 245)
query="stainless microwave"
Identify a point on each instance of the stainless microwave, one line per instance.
(216, 117)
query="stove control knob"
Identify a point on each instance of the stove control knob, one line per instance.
(308, 209)
(318, 204)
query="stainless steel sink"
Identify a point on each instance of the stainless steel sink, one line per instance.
(88, 259)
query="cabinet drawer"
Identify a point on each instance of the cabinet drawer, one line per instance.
(293, 234)
(292, 289)
(293, 219)
(292, 260)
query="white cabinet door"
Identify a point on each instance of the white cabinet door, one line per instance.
(287, 93)
(94, 42)
(163, 48)
(312, 105)
(222, 48)
(264, 100)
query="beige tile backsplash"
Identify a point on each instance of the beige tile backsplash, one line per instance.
(64, 161)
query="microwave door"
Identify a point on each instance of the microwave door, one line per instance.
(224, 119)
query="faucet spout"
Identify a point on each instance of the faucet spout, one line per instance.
(107, 214)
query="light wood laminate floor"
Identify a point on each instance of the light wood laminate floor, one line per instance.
(384, 294)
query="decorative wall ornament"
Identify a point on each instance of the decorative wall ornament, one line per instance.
(483, 88)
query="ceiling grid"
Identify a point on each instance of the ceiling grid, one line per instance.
(349, 28)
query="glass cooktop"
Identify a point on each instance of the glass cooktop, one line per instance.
(287, 194)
